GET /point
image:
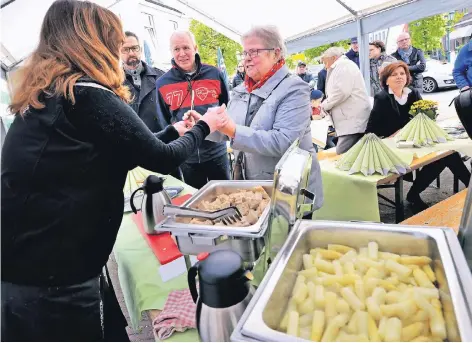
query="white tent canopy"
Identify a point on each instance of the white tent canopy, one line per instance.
(304, 23)
(20, 25)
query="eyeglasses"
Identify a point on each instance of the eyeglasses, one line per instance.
(135, 48)
(403, 40)
(240, 66)
(254, 52)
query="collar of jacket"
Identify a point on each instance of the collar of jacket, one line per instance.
(271, 83)
(148, 70)
(183, 73)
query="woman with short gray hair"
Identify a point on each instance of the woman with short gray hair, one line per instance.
(269, 111)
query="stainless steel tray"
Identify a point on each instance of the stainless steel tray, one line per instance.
(266, 309)
(209, 191)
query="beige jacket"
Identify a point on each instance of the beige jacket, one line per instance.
(347, 100)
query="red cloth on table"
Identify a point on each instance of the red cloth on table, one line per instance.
(162, 245)
(178, 315)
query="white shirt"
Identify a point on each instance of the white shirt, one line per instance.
(404, 98)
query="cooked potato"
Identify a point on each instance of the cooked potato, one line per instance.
(418, 260)
(373, 330)
(368, 295)
(352, 299)
(327, 254)
(333, 327)
(427, 269)
(397, 268)
(317, 326)
(324, 266)
(292, 327)
(308, 261)
(393, 330)
(412, 331)
(340, 248)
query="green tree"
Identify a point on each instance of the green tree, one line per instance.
(427, 33)
(312, 53)
(208, 41)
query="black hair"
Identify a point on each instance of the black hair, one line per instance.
(379, 44)
(131, 34)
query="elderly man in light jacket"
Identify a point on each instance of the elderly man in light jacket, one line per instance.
(347, 101)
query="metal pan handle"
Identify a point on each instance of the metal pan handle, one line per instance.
(303, 208)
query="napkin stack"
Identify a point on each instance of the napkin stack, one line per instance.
(422, 131)
(370, 155)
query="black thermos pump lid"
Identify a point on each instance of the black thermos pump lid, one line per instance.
(223, 282)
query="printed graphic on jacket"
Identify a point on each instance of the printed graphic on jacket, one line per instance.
(178, 95)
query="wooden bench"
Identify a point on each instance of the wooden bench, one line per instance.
(446, 213)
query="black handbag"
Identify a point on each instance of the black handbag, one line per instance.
(463, 105)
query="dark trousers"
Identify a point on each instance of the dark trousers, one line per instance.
(198, 174)
(347, 142)
(430, 172)
(85, 312)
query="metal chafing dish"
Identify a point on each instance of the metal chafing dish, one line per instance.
(192, 238)
(287, 192)
(267, 307)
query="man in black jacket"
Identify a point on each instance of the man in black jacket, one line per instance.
(413, 57)
(321, 84)
(240, 75)
(353, 53)
(191, 84)
(141, 80)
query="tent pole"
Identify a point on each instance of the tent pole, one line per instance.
(363, 40)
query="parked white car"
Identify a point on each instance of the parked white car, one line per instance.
(437, 75)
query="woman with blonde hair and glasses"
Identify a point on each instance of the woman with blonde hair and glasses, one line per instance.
(64, 165)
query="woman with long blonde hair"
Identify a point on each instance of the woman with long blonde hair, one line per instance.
(64, 164)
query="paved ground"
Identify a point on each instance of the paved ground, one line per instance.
(431, 196)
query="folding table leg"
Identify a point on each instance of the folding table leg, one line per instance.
(456, 184)
(399, 210)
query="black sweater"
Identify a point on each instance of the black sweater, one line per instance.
(63, 172)
(387, 115)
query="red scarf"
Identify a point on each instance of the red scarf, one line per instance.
(251, 84)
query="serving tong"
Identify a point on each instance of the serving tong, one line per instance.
(227, 216)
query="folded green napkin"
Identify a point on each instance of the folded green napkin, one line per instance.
(422, 131)
(370, 155)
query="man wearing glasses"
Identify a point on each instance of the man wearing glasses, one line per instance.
(413, 57)
(141, 80)
(240, 75)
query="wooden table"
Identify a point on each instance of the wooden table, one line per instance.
(446, 213)
(395, 180)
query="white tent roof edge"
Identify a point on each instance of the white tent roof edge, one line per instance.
(389, 17)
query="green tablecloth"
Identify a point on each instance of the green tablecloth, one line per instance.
(351, 197)
(354, 197)
(464, 146)
(138, 272)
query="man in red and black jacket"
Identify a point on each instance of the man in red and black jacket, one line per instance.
(190, 79)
